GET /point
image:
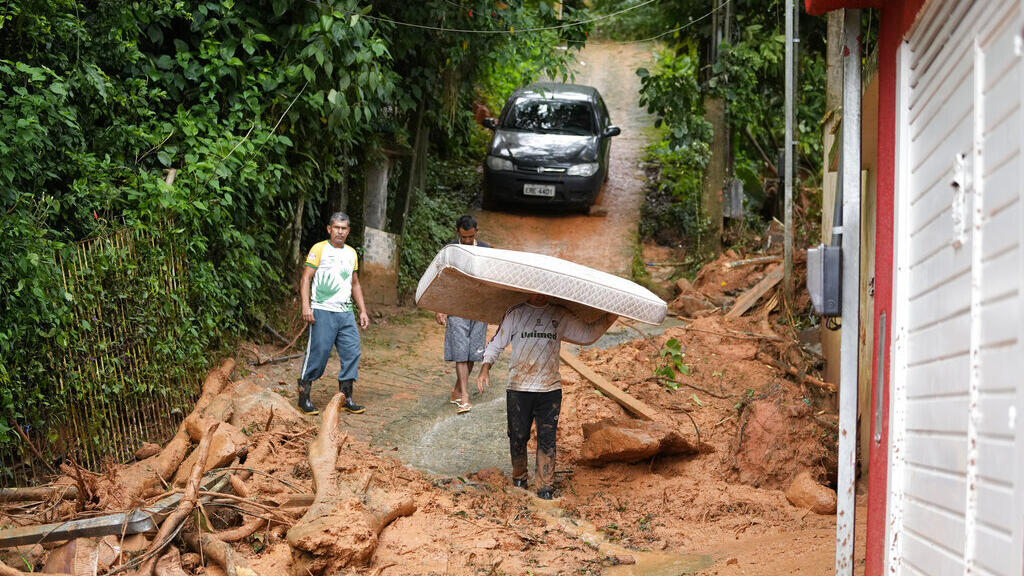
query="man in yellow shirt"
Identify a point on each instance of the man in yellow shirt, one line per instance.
(328, 288)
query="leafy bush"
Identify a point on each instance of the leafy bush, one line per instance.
(672, 212)
(263, 108)
(451, 189)
(747, 75)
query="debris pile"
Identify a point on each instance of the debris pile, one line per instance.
(683, 441)
(249, 486)
(738, 385)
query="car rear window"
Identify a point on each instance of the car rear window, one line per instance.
(554, 116)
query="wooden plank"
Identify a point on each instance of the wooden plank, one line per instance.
(750, 297)
(758, 260)
(133, 522)
(631, 404)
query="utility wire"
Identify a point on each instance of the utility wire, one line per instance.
(683, 27)
(511, 30)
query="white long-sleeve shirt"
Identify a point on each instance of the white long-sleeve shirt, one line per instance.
(535, 334)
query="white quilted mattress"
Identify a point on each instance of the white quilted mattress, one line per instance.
(481, 283)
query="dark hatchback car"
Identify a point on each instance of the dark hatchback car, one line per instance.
(550, 147)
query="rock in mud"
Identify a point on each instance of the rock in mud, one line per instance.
(146, 450)
(253, 407)
(690, 306)
(683, 286)
(774, 442)
(621, 560)
(630, 441)
(804, 492)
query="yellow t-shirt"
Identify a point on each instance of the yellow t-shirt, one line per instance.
(332, 282)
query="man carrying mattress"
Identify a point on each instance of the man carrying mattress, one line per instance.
(535, 330)
(464, 339)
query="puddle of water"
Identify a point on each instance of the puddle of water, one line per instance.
(647, 563)
(461, 444)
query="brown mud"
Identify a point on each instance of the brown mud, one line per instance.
(720, 511)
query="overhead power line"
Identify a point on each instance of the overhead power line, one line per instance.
(679, 29)
(510, 30)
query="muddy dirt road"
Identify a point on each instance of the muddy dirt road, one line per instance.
(605, 242)
(690, 511)
(403, 381)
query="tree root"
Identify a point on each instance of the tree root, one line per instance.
(212, 548)
(342, 525)
(131, 486)
(185, 507)
(170, 564)
(248, 528)
(792, 371)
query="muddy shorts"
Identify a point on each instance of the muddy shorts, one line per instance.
(523, 409)
(464, 340)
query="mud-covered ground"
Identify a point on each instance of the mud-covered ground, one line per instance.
(720, 511)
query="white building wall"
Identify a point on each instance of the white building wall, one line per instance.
(958, 359)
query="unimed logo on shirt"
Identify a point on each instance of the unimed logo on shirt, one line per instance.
(548, 335)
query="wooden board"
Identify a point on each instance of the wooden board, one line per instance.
(750, 297)
(635, 406)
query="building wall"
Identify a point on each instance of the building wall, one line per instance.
(954, 480)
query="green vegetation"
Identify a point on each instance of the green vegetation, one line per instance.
(265, 110)
(745, 71)
(672, 364)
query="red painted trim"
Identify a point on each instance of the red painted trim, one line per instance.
(897, 18)
(820, 7)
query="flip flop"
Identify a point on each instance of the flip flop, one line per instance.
(462, 407)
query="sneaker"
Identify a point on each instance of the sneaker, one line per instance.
(519, 483)
(545, 493)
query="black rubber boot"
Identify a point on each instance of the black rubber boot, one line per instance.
(305, 404)
(345, 386)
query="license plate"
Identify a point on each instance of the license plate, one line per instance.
(547, 190)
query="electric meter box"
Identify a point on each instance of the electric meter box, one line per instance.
(824, 280)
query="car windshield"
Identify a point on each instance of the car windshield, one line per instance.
(554, 116)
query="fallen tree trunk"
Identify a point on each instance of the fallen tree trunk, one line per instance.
(341, 527)
(123, 523)
(39, 493)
